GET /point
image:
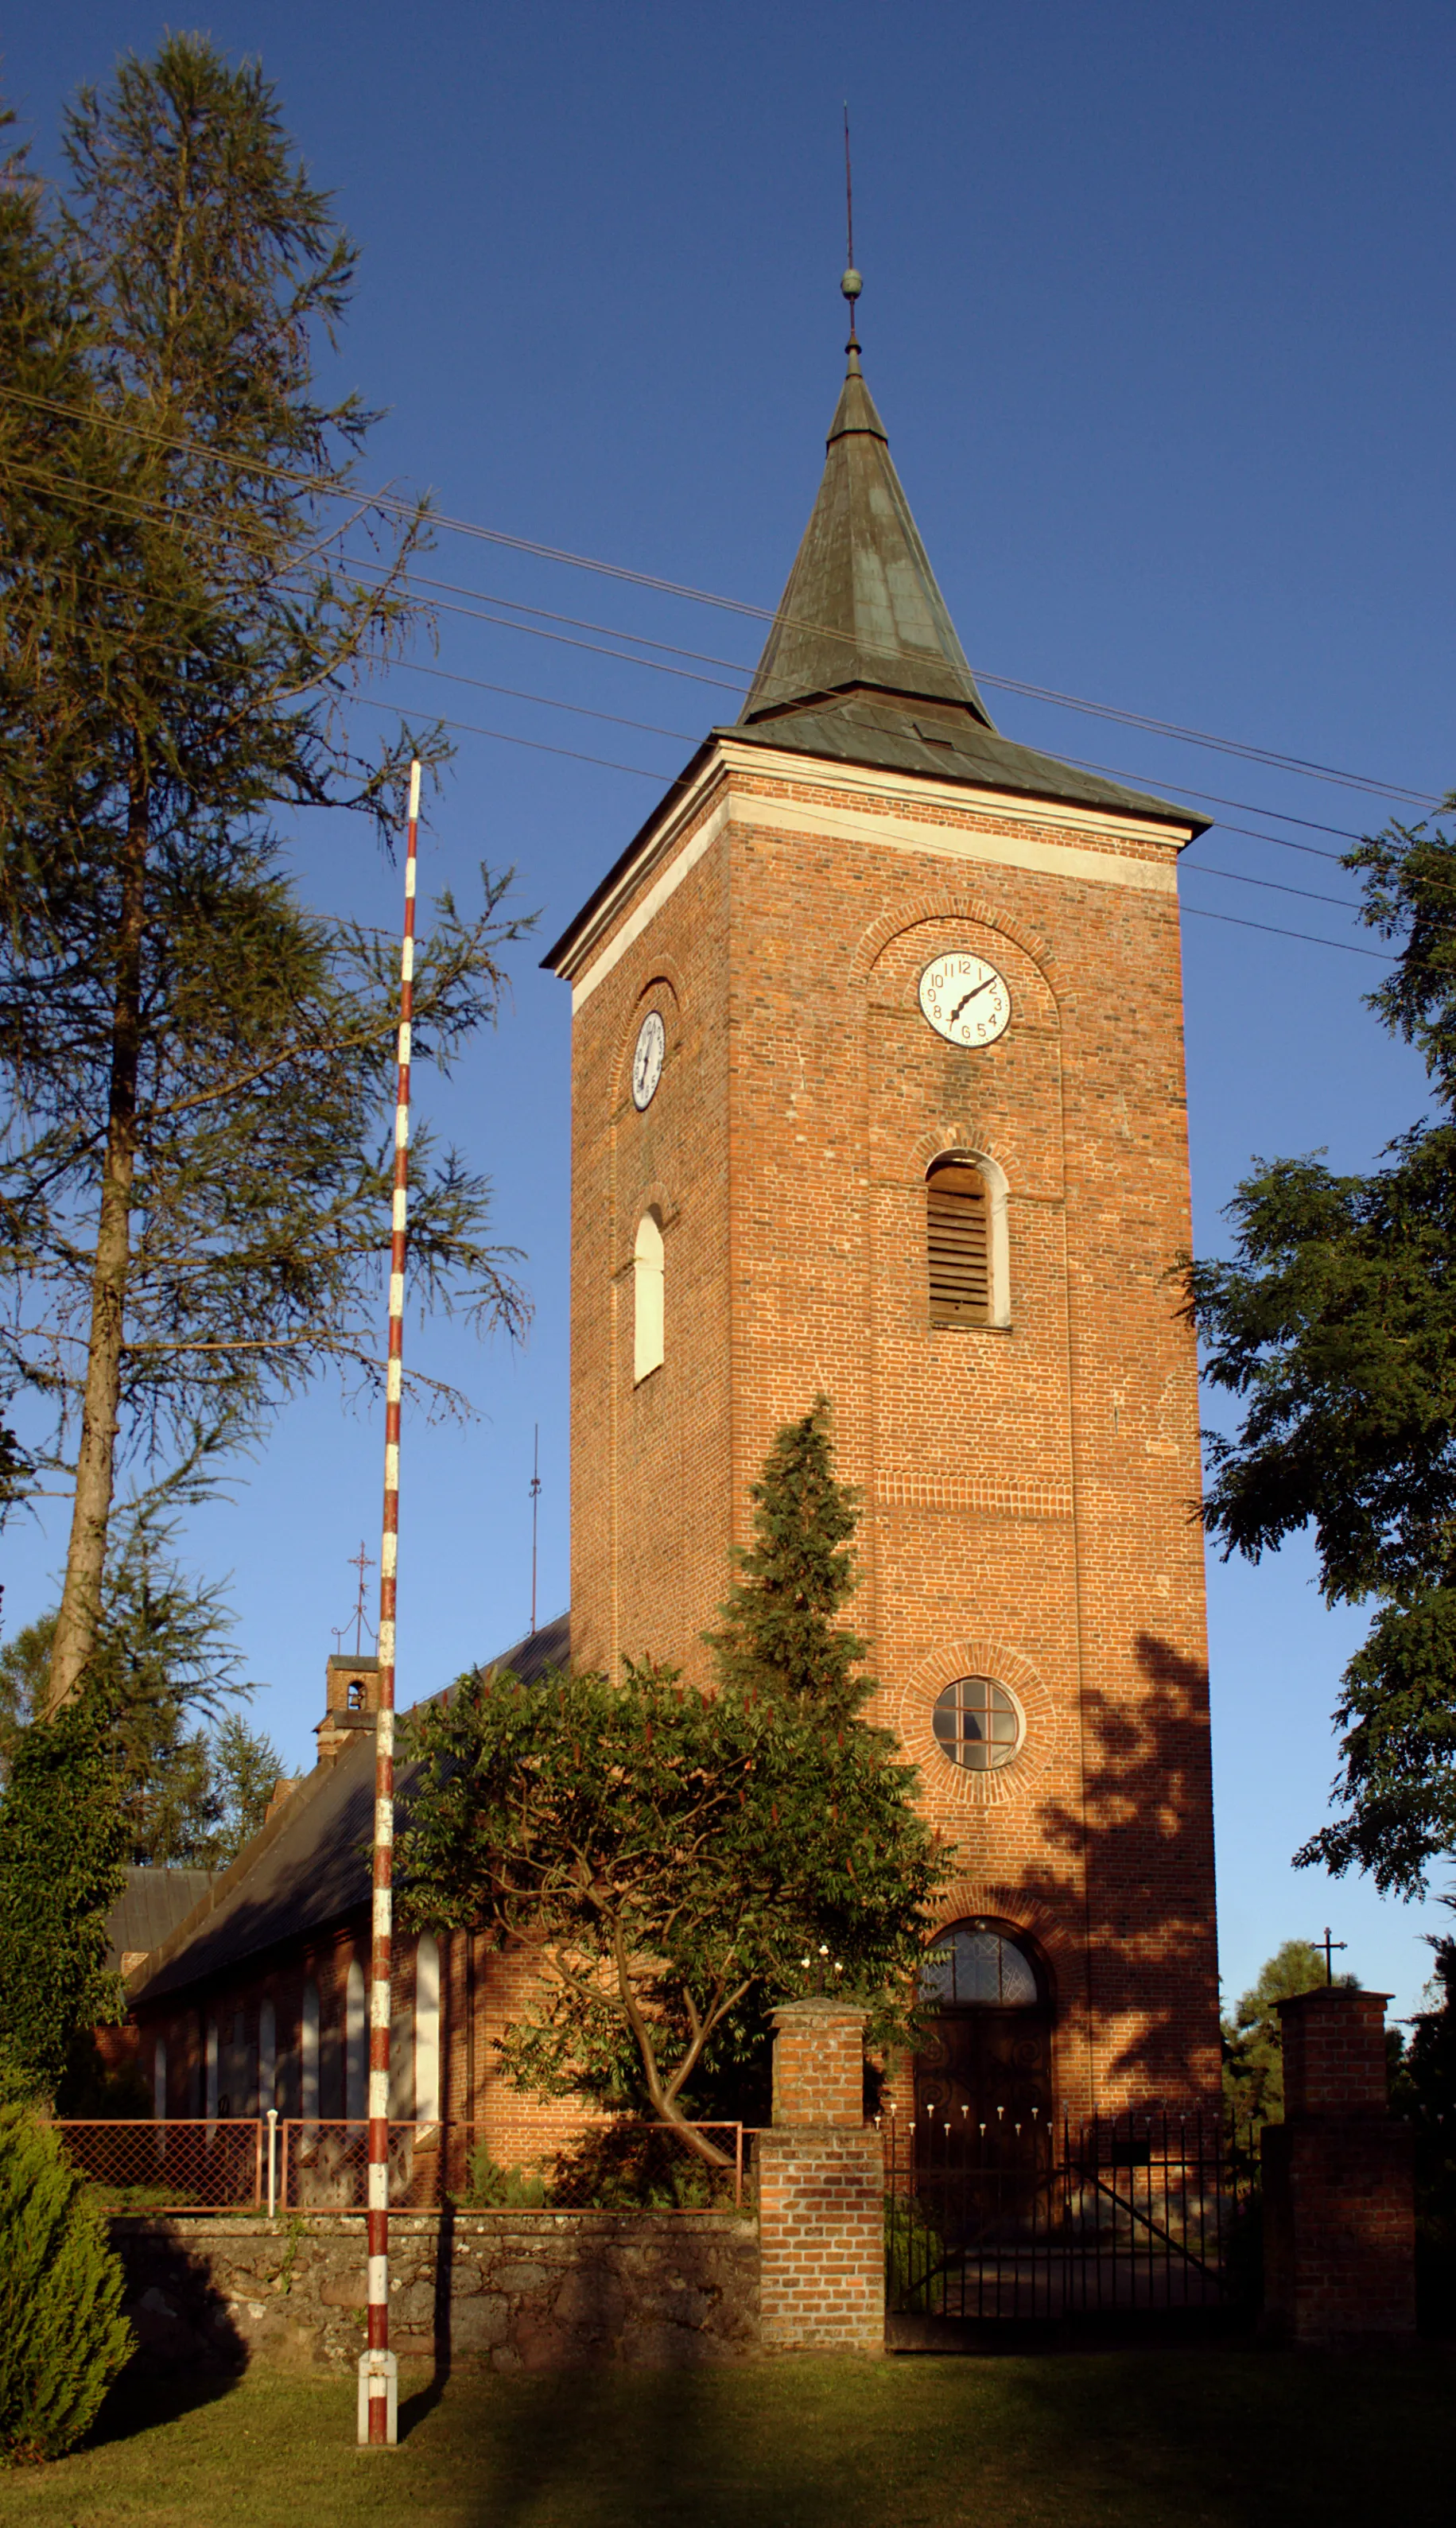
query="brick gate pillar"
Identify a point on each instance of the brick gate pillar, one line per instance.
(1339, 2222)
(821, 2190)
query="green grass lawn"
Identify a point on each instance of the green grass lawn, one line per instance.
(1232, 2436)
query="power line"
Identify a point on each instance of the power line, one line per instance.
(539, 745)
(416, 511)
(1199, 912)
(1238, 877)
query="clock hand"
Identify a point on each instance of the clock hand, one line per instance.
(970, 996)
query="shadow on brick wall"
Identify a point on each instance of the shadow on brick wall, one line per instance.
(1143, 1839)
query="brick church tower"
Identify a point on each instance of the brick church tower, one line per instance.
(878, 1090)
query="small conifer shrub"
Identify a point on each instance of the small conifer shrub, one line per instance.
(62, 2335)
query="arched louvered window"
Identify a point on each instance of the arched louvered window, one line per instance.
(957, 1237)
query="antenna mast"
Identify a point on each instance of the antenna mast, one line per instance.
(535, 1515)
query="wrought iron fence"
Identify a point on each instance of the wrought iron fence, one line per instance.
(1036, 2219)
(287, 2164)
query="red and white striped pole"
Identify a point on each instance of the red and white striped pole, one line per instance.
(378, 2369)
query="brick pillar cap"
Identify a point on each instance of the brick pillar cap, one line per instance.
(819, 2006)
(1343, 1993)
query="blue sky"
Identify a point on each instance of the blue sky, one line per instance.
(1158, 312)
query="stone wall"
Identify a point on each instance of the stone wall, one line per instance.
(541, 2292)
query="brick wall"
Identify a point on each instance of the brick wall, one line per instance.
(1339, 2229)
(818, 2064)
(1334, 2053)
(1026, 1488)
(821, 2190)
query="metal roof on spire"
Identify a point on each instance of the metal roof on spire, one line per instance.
(864, 663)
(862, 610)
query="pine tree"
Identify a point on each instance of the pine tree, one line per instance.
(62, 2335)
(1253, 2041)
(63, 1850)
(779, 1634)
(194, 1169)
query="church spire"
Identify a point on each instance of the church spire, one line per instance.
(861, 613)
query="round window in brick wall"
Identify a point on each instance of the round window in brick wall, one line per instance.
(977, 1723)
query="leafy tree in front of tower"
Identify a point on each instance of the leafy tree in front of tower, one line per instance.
(679, 1860)
(1334, 1324)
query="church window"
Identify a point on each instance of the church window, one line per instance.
(210, 2074)
(977, 1723)
(958, 1245)
(646, 1297)
(308, 2050)
(159, 2079)
(266, 2055)
(980, 1965)
(355, 2046)
(427, 2030)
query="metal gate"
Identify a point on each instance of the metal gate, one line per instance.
(1039, 2218)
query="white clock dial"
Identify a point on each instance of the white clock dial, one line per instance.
(648, 1060)
(965, 999)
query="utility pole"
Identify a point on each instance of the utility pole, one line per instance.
(379, 2370)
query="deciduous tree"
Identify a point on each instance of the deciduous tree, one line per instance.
(678, 1859)
(1334, 1324)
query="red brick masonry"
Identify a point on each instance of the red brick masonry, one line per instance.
(822, 2220)
(1339, 2224)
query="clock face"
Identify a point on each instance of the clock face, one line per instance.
(965, 999)
(647, 1061)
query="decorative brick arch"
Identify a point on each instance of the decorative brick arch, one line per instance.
(653, 1198)
(663, 973)
(945, 907)
(972, 1899)
(979, 1656)
(943, 1138)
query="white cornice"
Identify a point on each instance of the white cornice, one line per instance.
(1136, 851)
(1110, 824)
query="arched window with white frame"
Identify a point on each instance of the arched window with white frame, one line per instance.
(267, 2054)
(308, 2053)
(647, 1295)
(427, 2030)
(355, 2045)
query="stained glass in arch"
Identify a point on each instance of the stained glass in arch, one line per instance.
(975, 1963)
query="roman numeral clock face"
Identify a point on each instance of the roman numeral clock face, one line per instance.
(965, 999)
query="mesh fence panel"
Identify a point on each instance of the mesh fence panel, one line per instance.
(231, 2165)
(611, 2166)
(209, 2164)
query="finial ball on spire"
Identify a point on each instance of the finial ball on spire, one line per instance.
(852, 284)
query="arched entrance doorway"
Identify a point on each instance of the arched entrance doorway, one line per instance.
(986, 2059)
